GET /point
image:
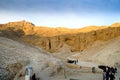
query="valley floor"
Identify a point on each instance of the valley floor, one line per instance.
(84, 76)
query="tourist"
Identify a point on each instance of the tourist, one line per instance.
(107, 73)
(28, 72)
(34, 77)
(115, 70)
(111, 75)
(112, 70)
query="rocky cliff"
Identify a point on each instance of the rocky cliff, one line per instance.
(52, 39)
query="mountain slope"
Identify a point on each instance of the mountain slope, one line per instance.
(14, 56)
(102, 52)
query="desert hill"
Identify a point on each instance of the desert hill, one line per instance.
(15, 56)
(52, 39)
(29, 29)
(102, 52)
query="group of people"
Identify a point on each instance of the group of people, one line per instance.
(72, 61)
(108, 72)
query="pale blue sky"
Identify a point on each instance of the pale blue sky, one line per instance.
(61, 13)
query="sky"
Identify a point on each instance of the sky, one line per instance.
(61, 13)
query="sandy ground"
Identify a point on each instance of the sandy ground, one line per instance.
(83, 76)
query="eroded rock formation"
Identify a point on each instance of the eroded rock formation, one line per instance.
(52, 39)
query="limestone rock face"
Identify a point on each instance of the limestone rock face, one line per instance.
(52, 39)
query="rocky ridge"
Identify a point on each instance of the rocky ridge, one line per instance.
(52, 39)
